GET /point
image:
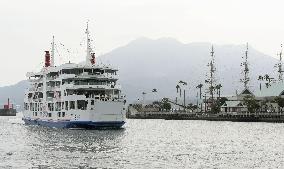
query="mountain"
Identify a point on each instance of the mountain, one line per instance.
(145, 64)
(14, 92)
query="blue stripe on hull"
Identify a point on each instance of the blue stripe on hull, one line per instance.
(75, 124)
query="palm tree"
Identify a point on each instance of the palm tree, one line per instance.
(177, 87)
(182, 82)
(260, 77)
(266, 77)
(144, 93)
(154, 90)
(218, 87)
(199, 86)
(269, 79)
(178, 90)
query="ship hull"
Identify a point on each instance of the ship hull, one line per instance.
(75, 124)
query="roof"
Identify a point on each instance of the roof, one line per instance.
(232, 103)
(246, 91)
(276, 89)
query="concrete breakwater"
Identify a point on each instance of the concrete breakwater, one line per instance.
(149, 115)
(8, 112)
(183, 115)
(233, 118)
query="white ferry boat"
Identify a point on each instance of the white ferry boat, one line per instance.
(84, 95)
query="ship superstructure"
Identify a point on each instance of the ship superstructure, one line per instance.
(84, 95)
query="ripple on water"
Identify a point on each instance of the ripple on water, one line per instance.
(144, 144)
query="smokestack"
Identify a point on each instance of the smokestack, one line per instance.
(47, 59)
(93, 58)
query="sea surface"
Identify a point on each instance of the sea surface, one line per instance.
(143, 144)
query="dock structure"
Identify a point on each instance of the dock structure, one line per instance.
(8, 109)
(265, 104)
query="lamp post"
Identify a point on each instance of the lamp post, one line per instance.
(205, 103)
(178, 88)
(154, 91)
(144, 93)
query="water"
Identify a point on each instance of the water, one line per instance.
(144, 144)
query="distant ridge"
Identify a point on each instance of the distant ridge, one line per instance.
(145, 64)
(14, 92)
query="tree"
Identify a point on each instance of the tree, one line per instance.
(279, 101)
(218, 87)
(166, 106)
(216, 106)
(177, 87)
(266, 77)
(222, 100)
(251, 103)
(199, 86)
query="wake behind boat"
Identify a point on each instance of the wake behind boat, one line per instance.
(74, 95)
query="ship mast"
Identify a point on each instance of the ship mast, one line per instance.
(245, 70)
(89, 50)
(280, 71)
(212, 69)
(52, 52)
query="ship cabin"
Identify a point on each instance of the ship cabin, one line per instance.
(71, 87)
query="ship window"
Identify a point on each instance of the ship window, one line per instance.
(26, 106)
(35, 113)
(88, 70)
(35, 106)
(51, 106)
(72, 105)
(58, 106)
(40, 95)
(82, 104)
(66, 105)
(59, 114)
(49, 114)
(63, 114)
(30, 95)
(92, 102)
(40, 108)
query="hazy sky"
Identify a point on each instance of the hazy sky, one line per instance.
(27, 26)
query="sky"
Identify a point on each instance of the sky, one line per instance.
(27, 27)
